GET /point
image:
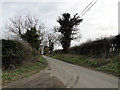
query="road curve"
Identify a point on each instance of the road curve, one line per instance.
(78, 77)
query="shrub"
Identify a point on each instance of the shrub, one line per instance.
(12, 53)
(101, 48)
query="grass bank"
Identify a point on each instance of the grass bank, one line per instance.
(11, 75)
(109, 66)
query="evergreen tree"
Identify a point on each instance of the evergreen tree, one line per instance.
(68, 28)
(32, 38)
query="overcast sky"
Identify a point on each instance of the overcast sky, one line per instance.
(101, 20)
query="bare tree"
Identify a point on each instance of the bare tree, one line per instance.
(28, 28)
(20, 24)
(53, 38)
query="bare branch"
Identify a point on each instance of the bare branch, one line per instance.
(20, 24)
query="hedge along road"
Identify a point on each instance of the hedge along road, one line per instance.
(78, 77)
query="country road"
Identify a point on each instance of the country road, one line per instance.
(78, 77)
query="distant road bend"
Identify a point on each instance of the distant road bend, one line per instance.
(78, 77)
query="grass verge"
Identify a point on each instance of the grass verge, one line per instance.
(22, 72)
(111, 68)
(108, 66)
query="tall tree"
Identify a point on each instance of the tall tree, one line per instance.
(68, 28)
(32, 38)
(27, 28)
(52, 39)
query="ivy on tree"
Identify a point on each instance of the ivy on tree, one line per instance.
(68, 28)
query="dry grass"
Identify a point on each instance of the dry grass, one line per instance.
(23, 71)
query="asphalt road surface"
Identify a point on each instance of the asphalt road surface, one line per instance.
(43, 79)
(78, 77)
